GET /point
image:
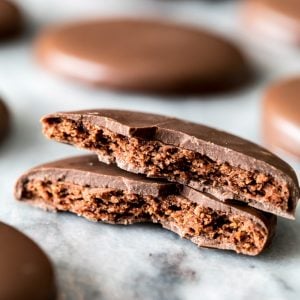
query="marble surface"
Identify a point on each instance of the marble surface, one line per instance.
(96, 261)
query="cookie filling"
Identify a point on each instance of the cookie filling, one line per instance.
(156, 159)
(175, 212)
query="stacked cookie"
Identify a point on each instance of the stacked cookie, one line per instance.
(211, 187)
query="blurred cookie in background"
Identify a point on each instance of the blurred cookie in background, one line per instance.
(11, 20)
(25, 271)
(148, 56)
(4, 120)
(278, 20)
(281, 116)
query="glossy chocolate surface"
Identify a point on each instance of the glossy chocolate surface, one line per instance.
(25, 271)
(142, 56)
(281, 117)
(11, 20)
(275, 19)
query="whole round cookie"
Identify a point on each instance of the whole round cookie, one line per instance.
(142, 55)
(4, 120)
(281, 117)
(25, 271)
(10, 19)
(277, 19)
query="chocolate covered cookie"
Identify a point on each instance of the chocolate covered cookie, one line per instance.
(281, 118)
(201, 157)
(10, 20)
(25, 271)
(101, 192)
(4, 120)
(278, 20)
(143, 56)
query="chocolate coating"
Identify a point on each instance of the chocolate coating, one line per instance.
(25, 271)
(281, 118)
(217, 147)
(276, 19)
(86, 178)
(87, 170)
(4, 120)
(143, 56)
(10, 20)
(266, 220)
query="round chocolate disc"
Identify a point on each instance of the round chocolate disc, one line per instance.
(25, 271)
(145, 56)
(4, 120)
(10, 19)
(281, 117)
(277, 19)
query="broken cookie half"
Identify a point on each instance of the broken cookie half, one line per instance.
(100, 192)
(200, 157)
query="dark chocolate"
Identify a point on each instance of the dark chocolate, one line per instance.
(101, 192)
(281, 118)
(11, 20)
(4, 120)
(143, 56)
(201, 157)
(25, 271)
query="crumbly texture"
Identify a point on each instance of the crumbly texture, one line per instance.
(176, 164)
(118, 207)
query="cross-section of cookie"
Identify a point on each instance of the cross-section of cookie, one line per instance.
(100, 192)
(201, 157)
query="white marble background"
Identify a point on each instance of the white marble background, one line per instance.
(96, 261)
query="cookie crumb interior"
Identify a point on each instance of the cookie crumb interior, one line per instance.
(156, 159)
(188, 219)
